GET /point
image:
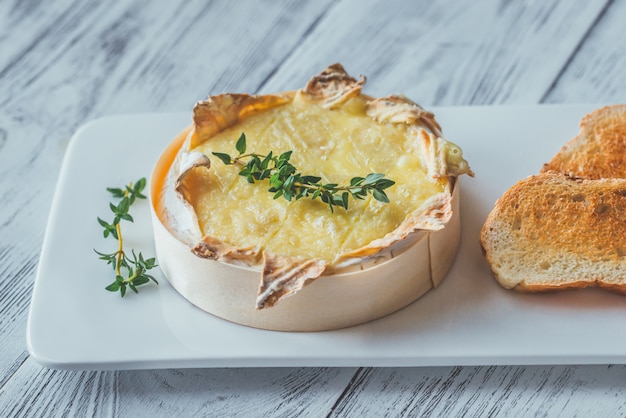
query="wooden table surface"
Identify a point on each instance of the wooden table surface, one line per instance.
(65, 62)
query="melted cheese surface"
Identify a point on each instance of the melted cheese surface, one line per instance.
(334, 144)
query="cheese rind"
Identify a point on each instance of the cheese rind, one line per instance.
(372, 259)
(332, 301)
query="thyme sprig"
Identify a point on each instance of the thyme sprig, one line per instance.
(285, 180)
(134, 265)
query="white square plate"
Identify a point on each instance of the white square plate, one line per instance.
(469, 320)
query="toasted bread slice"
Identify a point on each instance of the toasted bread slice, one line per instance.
(599, 150)
(551, 231)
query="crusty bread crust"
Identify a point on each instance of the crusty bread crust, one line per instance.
(599, 150)
(566, 227)
(551, 232)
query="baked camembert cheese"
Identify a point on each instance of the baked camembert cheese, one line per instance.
(334, 132)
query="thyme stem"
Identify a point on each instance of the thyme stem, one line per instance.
(120, 250)
(135, 266)
(286, 181)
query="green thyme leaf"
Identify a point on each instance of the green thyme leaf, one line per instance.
(113, 287)
(116, 192)
(285, 181)
(224, 157)
(129, 270)
(140, 280)
(241, 144)
(372, 178)
(380, 196)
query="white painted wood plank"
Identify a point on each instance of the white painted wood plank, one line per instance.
(25, 193)
(39, 392)
(445, 53)
(307, 392)
(585, 391)
(114, 57)
(597, 70)
(441, 392)
(23, 23)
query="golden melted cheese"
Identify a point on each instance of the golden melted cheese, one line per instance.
(334, 144)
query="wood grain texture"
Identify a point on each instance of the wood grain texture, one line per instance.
(65, 62)
(23, 216)
(282, 392)
(43, 392)
(444, 53)
(485, 391)
(595, 73)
